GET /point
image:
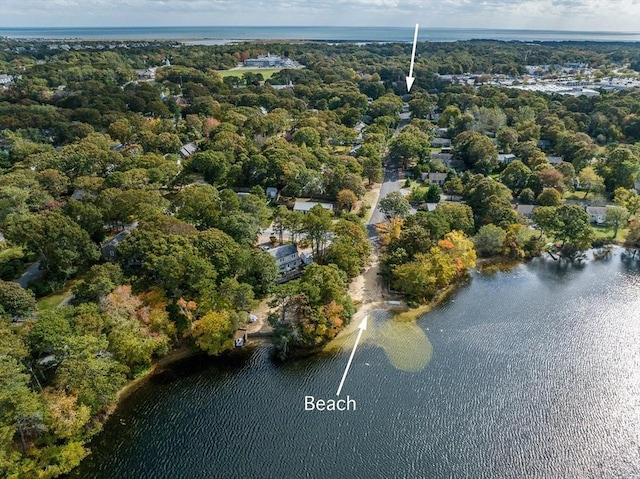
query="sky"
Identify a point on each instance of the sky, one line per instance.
(582, 15)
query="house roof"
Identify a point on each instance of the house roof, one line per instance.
(506, 157)
(188, 149)
(307, 205)
(284, 250)
(525, 209)
(596, 210)
(554, 160)
(437, 176)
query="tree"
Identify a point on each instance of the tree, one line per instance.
(516, 176)
(60, 243)
(371, 169)
(15, 301)
(628, 199)
(590, 181)
(549, 197)
(489, 240)
(350, 249)
(318, 227)
(99, 282)
(214, 332)
(199, 205)
(568, 224)
(477, 151)
(346, 200)
(87, 372)
(307, 136)
(394, 205)
(615, 217)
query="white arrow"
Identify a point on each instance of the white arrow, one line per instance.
(362, 327)
(410, 78)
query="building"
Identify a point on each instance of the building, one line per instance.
(270, 61)
(108, 250)
(434, 178)
(525, 210)
(506, 158)
(554, 160)
(287, 257)
(305, 206)
(440, 142)
(188, 150)
(272, 192)
(597, 214)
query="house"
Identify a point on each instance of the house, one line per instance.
(272, 192)
(525, 210)
(544, 144)
(6, 79)
(270, 61)
(636, 186)
(286, 256)
(149, 74)
(597, 214)
(188, 150)
(434, 178)
(306, 258)
(108, 250)
(305, 206)
(554, 160)
(440, 142)
(506, 158)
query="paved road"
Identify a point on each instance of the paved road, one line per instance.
(392, 175)
(33, 272)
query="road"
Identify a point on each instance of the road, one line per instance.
(391, 181)
(32, 273)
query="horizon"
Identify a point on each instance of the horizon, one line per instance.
(399, 27)
(554, 15)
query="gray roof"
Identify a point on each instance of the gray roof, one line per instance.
(596, 210)
(284, 250)
(307, 205)
(506, 157)
(554, 160)
(525, 209)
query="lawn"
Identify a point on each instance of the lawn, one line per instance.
(238, 72)
(51, 301)
(606, 232)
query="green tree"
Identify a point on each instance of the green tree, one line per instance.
(394, 205)
(15, 301)
(615, 217)
(590, 181)
(61, 244)
(549, 197)
(489, 240)
(214, 332)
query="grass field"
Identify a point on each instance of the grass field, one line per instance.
(238, 72)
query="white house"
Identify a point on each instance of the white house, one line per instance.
(597, 214)
(286, 256)
(506, 158)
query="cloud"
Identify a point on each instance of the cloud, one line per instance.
(613, 15)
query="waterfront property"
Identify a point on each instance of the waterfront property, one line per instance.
(597, 214)
(287, 257)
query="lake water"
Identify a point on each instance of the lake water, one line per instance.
(534, 372)
(214, 34)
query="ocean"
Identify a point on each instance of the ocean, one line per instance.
(216, 35)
